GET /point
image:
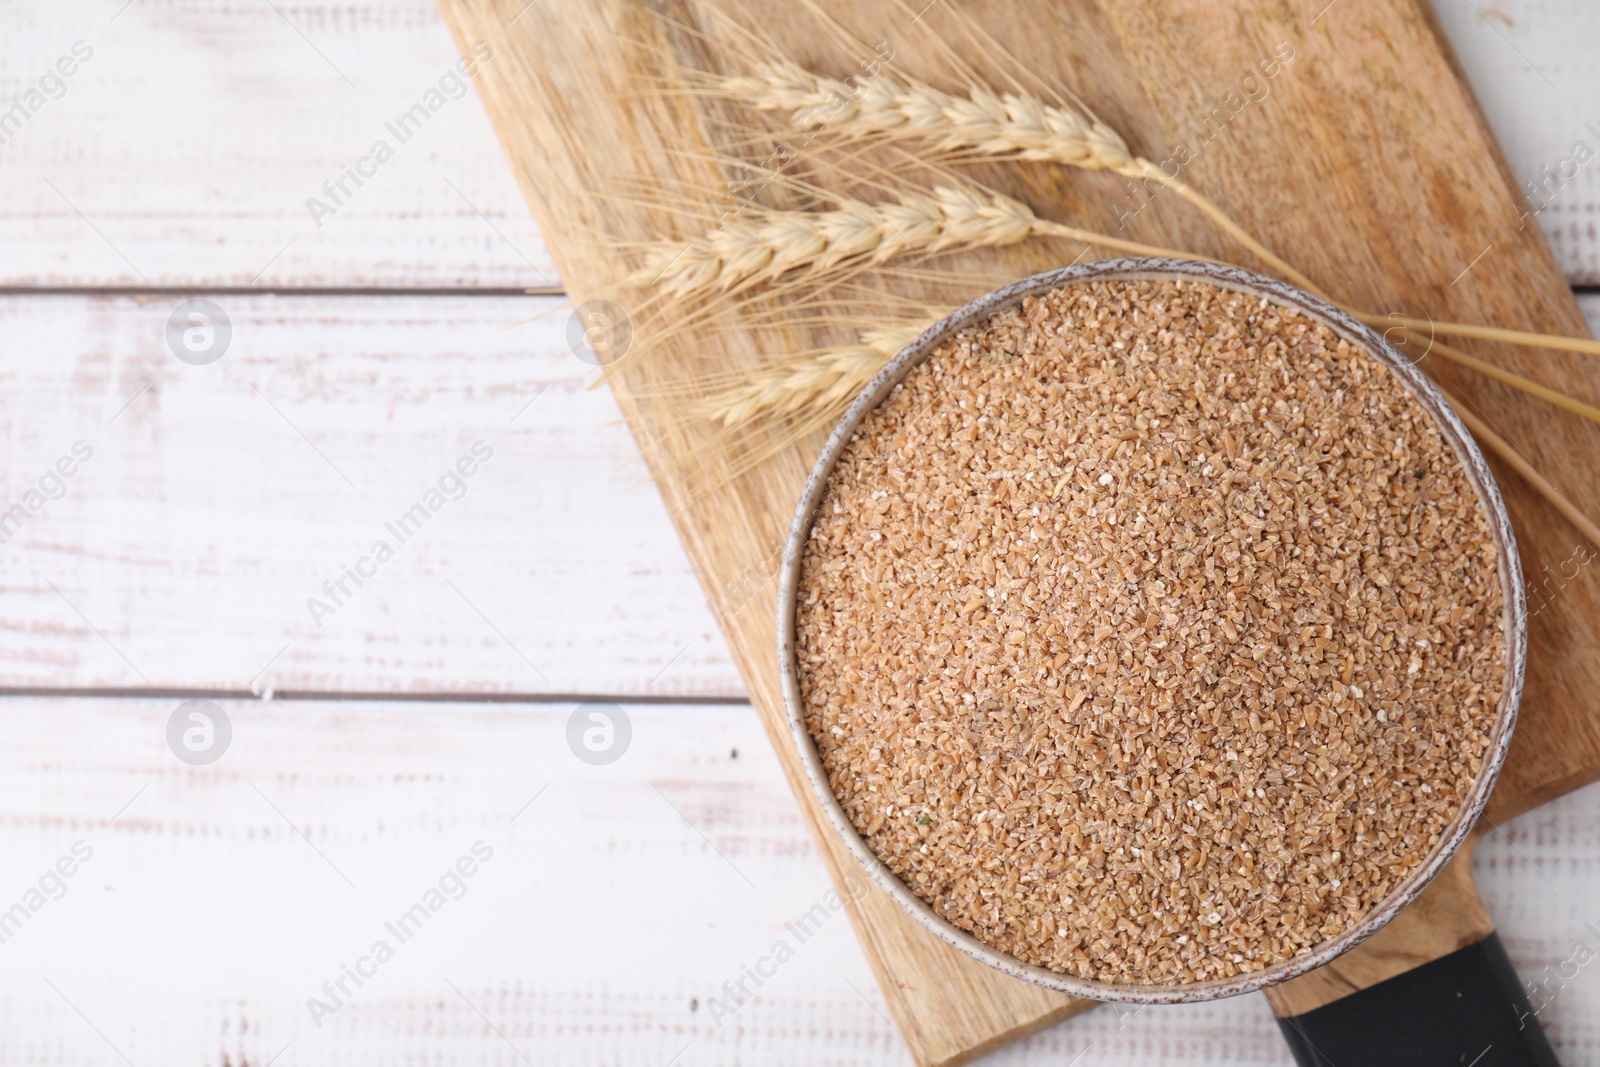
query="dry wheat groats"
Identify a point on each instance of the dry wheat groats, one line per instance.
(1150, 631)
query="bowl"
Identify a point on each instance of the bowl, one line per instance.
(1343, 325)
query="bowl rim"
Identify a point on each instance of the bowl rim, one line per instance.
(1345, 326)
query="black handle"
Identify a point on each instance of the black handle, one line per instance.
(1466, 1009)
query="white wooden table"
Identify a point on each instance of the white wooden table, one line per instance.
(375, 745)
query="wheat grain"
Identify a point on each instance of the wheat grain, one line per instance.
(822, 384)
(1035, 746)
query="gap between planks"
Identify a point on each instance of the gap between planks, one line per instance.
(352, 291)
(370, 696)
(291, 291)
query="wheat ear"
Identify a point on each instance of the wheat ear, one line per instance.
(1010, 124)
(821, 381)
(761, 246)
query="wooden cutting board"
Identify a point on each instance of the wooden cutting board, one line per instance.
(1363, 158)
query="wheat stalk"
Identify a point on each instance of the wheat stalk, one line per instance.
(1489, 370)
(1490, 333)
(1519, 463)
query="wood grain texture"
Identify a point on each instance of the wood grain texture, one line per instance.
(184, 553)
(1387, 230)
(194, 136)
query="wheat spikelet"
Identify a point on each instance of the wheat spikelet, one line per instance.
(818, 385)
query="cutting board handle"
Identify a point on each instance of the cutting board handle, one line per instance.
(1466, 1009)
(1432, 987)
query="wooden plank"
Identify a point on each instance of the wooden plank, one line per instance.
(264, 120)
(183, 151)
(600, 931)
(1390, 231)
(184, 552)
(217, 903)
